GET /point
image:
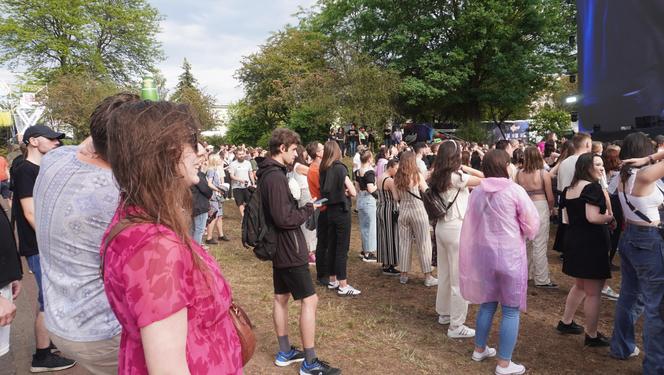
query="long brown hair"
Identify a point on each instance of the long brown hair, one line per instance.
(408, 173)
(532, 160)
(448, 161)
(145, 145)
(331, 153)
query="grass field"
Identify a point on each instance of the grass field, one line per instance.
(393, 329)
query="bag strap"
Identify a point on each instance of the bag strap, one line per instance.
(455, 198)
(117, 229)
(411, 193)
(636, 211)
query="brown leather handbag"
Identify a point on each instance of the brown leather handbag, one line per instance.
(245, 331)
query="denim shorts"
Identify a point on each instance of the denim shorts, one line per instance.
(35, 267)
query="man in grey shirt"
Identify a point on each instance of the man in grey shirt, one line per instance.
(75, 198)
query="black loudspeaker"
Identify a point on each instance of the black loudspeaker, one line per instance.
(642, 122)
(574, 116)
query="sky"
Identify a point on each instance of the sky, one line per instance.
(214, 35)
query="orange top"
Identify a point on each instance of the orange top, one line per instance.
(4, 164)
(313, 180)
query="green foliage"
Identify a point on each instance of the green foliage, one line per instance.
(304, 80)
(551, 120)
(71, 99)
(473, 131)
(244, 127)
(466, 60)
(188, 92)
(107, 39)
(215, 140)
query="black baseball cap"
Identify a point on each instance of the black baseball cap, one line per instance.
(41, 131)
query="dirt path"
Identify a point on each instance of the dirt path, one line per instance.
(390, 329)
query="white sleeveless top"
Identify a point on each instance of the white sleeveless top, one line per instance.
(648, 205)
(300, 178)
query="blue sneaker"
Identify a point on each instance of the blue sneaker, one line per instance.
(289, 357)
(318, 367)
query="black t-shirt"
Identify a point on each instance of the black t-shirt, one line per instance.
(387, 133)
(368, 178)
(352, 135)
(10, 264)
(24, 176)
(332, 185)
(201, 194)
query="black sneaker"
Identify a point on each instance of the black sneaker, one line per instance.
(369, 258)
(50, 362)
(596, 342)
(211, 241)
(318, 367)
(390, 271)
(362, 254)
(547, 286)
(569, 329)
(223, 238)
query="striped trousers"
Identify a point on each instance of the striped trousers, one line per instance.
(414, 230)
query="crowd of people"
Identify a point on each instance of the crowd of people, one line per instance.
(116, 229)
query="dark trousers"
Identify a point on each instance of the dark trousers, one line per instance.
(322, 258)
(338, 239)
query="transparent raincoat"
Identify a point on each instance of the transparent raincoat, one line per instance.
(493, 265)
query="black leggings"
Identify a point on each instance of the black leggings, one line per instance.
(338, 239)
(322, 261)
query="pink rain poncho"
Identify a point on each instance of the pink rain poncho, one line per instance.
(493, 265)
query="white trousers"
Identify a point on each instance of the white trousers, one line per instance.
(448, 299)
(538, 264)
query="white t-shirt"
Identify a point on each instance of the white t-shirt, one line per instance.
(566, 172)
(422, 166)
(458, 209)
(240, 170)
(356, 162)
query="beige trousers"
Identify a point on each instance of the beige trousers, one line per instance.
(448, 299)
(538, 264)
(98, 357)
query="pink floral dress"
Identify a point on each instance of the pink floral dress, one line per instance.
(149, 274)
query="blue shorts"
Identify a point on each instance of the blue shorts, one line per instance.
(35, 267)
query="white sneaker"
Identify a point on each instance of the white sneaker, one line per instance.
(431, 281)
(333, 284)
(488, 352)
(460, 332)
(610, 294)
(635, 353)
(403, 279)
(511, 369)
(348, 291)
(443, 319)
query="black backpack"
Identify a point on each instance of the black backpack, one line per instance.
(256, 231)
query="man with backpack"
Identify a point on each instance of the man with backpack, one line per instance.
(288, 249)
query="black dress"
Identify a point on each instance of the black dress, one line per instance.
(586, 245)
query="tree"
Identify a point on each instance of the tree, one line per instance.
(188, 92)
(71, 98)
(106, 38)
(304, 80)
(465, 60)
(551, 120)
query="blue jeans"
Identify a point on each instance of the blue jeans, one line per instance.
(352, 147)
(366, 209)
(35, 267)
(198, 227)
(641, 289)
(509, 328)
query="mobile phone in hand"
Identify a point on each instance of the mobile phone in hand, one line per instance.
(321, 201)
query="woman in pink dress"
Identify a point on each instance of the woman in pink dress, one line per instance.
(493, 265)
(167, 292)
